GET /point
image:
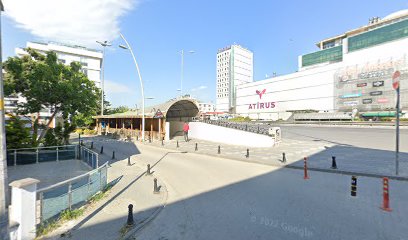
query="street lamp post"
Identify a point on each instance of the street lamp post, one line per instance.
(141, 83)
(4, 220)
(104, 44)
(182, 69)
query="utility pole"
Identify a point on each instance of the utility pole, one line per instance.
(104, 44)
(4, 220)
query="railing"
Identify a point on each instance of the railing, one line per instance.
(249, 127)
(88, 156)
(23, 156)
(70, 194)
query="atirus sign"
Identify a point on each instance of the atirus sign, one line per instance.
(261, 105)
(260, 93)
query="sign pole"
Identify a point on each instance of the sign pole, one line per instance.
(395, 85)
(397, 140)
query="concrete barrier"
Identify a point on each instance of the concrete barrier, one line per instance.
(209, 132)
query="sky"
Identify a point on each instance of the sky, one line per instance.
(277, 32)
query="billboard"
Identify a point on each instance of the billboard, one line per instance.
(368, 87)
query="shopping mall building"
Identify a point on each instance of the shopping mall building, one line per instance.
(351, 72)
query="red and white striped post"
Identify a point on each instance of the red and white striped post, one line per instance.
(305, 168)
(386, 196)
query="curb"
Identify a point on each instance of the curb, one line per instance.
(145, 222)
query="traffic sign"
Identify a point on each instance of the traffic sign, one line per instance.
(158, 114)
(395, 79)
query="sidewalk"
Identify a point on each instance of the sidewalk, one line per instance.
(349, 159)
(105, 218)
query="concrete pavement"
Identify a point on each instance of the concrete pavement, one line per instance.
(106, 218)
(362, 151)
(215, 198)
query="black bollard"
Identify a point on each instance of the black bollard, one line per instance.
(162, 143)
(219, 149)
(113, 155)
(196, 147)
(283, 157)
(177, 144)
(155, 187)
(91, 145)
(334, 164)
(247, 154)
(150, 139)
(101, 149)
(130, 215)
(137, 137)
(148, 169)
(129, 162)
(353, 186)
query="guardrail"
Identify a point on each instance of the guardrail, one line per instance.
(24, 156)
(249, 127)
(70, 194)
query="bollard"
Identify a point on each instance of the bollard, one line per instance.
(334, 165)
(130, 215)
(162, 143)
(247, 154)
(82, 142)
(219, 149)
(101, 149)
(196, 147)
(91, 145)
(353, 186)
(150, 139)
(386, 196)
(148, 170)
(129, 164)
(305, 168)
(177, 144)
(113, 155)
(155, 187)
(137, 137)
(283, 157)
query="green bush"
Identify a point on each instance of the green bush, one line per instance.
(79, 131)
(89, 132)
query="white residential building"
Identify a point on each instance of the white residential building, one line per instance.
(91, 60)
(234, 67)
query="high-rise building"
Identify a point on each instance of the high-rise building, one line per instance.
(234, 67)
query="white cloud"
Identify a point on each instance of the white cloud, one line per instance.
(198, 88)
(69, 21)
(115, 88)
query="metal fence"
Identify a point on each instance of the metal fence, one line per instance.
(70, 194)
(24, 156)
(88, 156)
(249, 127)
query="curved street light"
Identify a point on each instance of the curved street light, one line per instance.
(104, 44)
(141, 83)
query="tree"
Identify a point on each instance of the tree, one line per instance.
(46, 83)
(120, 109)
(17, 135)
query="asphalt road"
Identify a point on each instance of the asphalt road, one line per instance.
(374, 138)
(215, 198)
